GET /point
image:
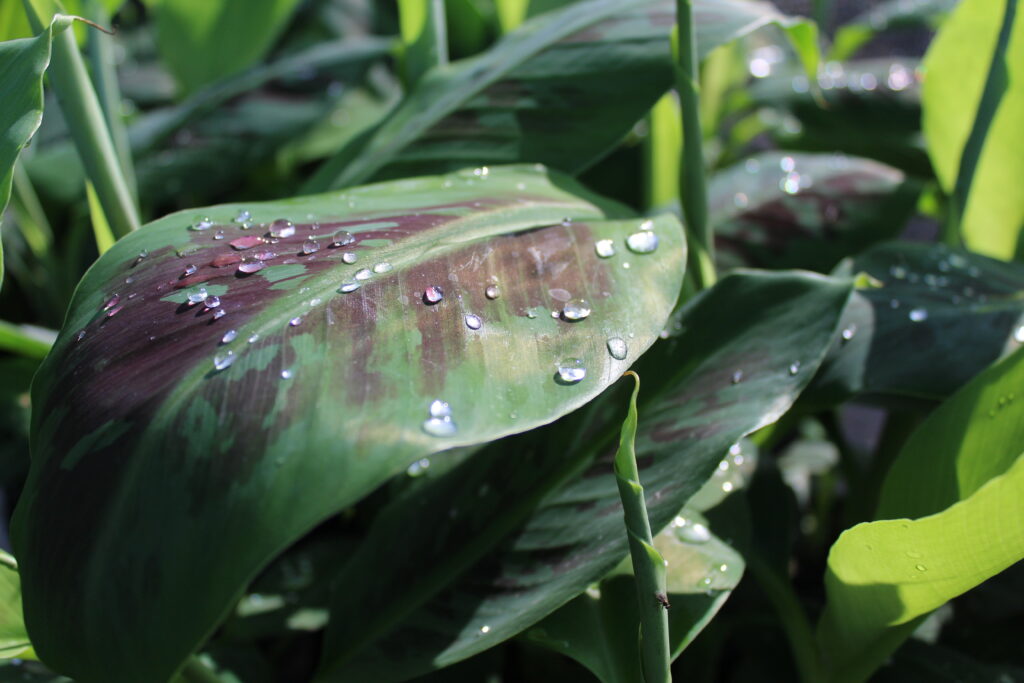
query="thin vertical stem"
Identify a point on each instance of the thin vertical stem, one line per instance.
(88, 128)
(693, 191)
(425, 36)
(648, 564)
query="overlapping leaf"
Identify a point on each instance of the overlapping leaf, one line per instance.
(178, 447)
(805, 210)
(939, 318)
(562, 89)
(740, 356)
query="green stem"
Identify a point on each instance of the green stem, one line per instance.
(822, 13)
(694, 183)
(37, 231)
(104, 75)
(648, 564)
(425, 35)
(88, 128)
(995, 86)
(791, 615)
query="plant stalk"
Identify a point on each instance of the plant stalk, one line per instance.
(88, 128)
(648, 564)
(693, 191)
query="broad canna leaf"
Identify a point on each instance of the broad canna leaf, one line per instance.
(562, 89)
(178, 446)
(939, 317)
(777, 210)
(435, 586)
(13, 638)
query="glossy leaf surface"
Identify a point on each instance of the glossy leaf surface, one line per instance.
(235, 432)
(950, 518)
(973, 103)
(936, 308)
(541, 94)
(805, 210)
(419, 609)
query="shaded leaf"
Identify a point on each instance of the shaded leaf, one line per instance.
(805, 210)
(14, 640)
(26, 340)
(885, 16)
(412, 615)
(541, 94)
(936, 308)
(175, 453)
(918, 662)
(973, 103)
(202, 41)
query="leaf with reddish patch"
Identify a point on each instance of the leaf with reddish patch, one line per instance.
(777, 210)
(192, 420)
(436, 586)
(939, 317)
(562, 89)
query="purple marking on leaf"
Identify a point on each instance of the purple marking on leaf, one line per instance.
(246, 242)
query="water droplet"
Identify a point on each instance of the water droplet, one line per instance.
(737, 377)
(794, 367)
(254, 338)
(727, 486)
(115, 310)
(485, 629)
(286, 374)
(439, 426)
(439, 408)
(189, 270)
(790, 184)
(250, 264)
(492, 292)
(243, 216)
(382, 267)
(229, 337)
(566, 221)
(473, 321)
(1018, 335)
(197, 295)
(310, 247)
(349, 257)
(920, 567)
(571, 370)
(223, 360)
(348, 287)
(282, 228)
(643, 242)
(605, 248)
(203, 223)
(740, 200)
(342, 238)
(787, 164)
(211, 301)
(723, 568)
(111, 302)
(848, 332)
(576, 309)
(296, 321)
(80, 336)
(617, 348)
(219, 313)
(143, 255)
(918, 315)
(363, 274)
(690, 531)
(418, 467)
(219, 235)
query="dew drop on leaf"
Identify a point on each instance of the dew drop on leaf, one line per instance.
(310, 247)
(473, 321)
(432, 294)
(282, 228)
(643, 242)
(737, 377)
(229, 337)
(918, 315)
(347, 287)
(189, 270)
(617, 348)
(492, 292)
(223, 360)
(296, 321)
(286, 374)
(342, 238)
(250, 264)
(197, 295)
(219, 313)
(111, 302)
(571, 370)
(363, 274)
(349, 257)
(1018, 335)
(418, 467)
(576, 309)
(384, 267)
(604, 248)
(794, 367)
(690, 531)
(203, 223)
(439, 426)
(243, 216)
(848, 332)
(211, 301)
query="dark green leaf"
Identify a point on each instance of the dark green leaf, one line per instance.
(410, 614)
(542, 93)
(887, 15)
(940, 317)
(805, 210)
(172, 458)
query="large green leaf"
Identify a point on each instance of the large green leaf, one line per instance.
(738, 357)
(805, 210)
(22, 64)
(542, 93)
(201, 41)
(176, 451)
(13, 638)
(936, 308)
(887, 15)
(951, 518)
(973, 100)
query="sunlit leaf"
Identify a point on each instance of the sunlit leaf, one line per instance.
(13, 638)
(300, 381)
